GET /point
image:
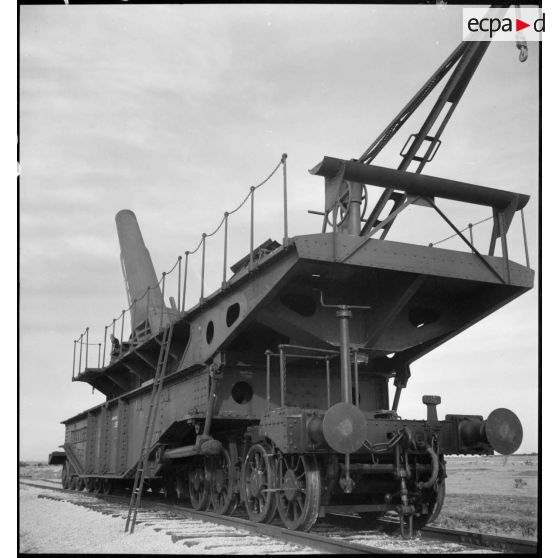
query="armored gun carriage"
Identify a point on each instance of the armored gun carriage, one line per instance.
(272, 392)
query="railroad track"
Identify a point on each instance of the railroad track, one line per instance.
(338, 535)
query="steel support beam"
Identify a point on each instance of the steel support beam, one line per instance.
(420, 184)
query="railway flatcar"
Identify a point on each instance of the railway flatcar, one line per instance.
(272, 392)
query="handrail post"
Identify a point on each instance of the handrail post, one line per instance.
(74, 362)
(133, 335)
(285, 212)
(80, 351)
(105, 345)
(179, 280)
(203, 267)
(470, 225)
(99, 357)
(186, 254)
(147, 322)
(283, 374)
(251, 267)
(162, 299)
(328, 383)
(224, 282)
(525, 239)
(86, 346)
(356, 403)
(121, 335)
(504, 244)
(268, 379)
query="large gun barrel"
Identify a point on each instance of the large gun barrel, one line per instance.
(139, 276)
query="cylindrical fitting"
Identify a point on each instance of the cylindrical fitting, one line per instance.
(314, 428)
(344, 315)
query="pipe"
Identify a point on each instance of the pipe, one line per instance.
(344, 315)
(355, 198)
(434, 474)
(178, 453)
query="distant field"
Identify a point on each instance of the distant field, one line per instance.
(40, 471)
(488, 494)
(492, 494)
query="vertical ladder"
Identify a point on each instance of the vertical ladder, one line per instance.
(149, 426)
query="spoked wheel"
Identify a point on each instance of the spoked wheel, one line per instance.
(258, 480)
(97, 485)
(73, 483)
(181, 486)
(298, 500)
(198, 485)
(80, 484)
(168, 489)
(107, 486)
(222, 473)
(66, 475)
(435, 505)
(175, 486)
(89, 484)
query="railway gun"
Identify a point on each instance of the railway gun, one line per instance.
(272, 392)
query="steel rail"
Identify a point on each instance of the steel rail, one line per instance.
(510, 545)
(505, 544)
(319, 542)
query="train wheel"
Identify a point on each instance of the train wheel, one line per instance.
(97, 485)
(435, 505)
(198, 485)
(223, 498)
(73, 483)
(89, 484)
(258, 481)
(80, 484)
(66, 476)
(180, 483)
(169, 489)
(107, 486)
(298, 500)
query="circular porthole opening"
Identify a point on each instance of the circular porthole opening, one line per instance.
(209, 332)
(242, 392)
(232, 313)
(420, 316)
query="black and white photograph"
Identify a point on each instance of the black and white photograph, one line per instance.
(279, 278)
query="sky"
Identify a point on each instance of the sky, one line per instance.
(175, 111)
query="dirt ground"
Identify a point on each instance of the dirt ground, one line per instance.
(493, 494)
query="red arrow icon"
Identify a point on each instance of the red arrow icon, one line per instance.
(519, 25)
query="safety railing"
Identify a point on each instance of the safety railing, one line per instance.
(83, 342)
(503, 237)
(310, 353)
(174, 282)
